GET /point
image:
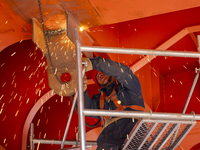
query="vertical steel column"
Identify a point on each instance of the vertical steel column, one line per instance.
(31, 136)
(68, 122)
(80, 92)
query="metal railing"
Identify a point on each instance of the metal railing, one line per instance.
(83, 112)
(129, 114)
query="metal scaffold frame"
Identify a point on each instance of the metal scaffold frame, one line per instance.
(84, 112)
(128, 114)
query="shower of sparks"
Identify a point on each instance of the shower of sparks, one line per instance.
(41, 109)
(39, 135)
(198, 99)
(2, 64)
(4, 118)
(38, 146)
(6, 22)
(20, 104)
(13, 54)
(39, 92)
(1, 97)
(4, 141)
(4, 84)
(127, 137)
(55, 71)
(15, 85)
(173, 80)
(15, 96)
(16, 113)
(61, 99)
(24, 68)
(21, 41)
(38, 122)
(20, 98)
(14, 136)
(184, 66)
(180, 82)
(59, 133)
(27, 101)
(44, 135)
(154, 74)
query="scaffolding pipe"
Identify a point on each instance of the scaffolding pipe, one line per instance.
(80, 92)
(69, 121)
(57, 142)
(140, 51)
(191, 91)
(137, 114)
(31, 136)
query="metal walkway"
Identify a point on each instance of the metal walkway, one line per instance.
(157, 134)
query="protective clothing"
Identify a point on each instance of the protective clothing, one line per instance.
(125, 94)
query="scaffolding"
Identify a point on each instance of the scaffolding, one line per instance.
(159, 116)
(159, 129)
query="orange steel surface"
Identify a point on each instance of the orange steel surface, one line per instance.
(166, 81)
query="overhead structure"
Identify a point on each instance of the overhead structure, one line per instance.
(60, 56)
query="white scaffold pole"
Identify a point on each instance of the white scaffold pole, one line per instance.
(140, 51)
(80, 93)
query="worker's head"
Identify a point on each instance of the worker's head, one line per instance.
(101, 79)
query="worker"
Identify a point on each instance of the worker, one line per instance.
(119, 90)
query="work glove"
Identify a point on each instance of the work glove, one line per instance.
(88, 67)
(88, 64)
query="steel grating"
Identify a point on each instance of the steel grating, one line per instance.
(154, 134)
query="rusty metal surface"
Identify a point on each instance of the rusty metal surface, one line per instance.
(60, 59)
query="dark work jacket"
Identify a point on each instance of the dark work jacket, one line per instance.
(128, 92)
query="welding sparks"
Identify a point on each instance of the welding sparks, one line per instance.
(61, 99)
(2, 64)
(184, 66)
(16, 113)
(41, 109)
(27, 101)
(15, 96)
(13, 54)
(38, 146)
(38, 122)
(44, 135)
(1, 97)
(4, 84)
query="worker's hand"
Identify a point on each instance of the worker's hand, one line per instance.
(84, 83)
(88, 64)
